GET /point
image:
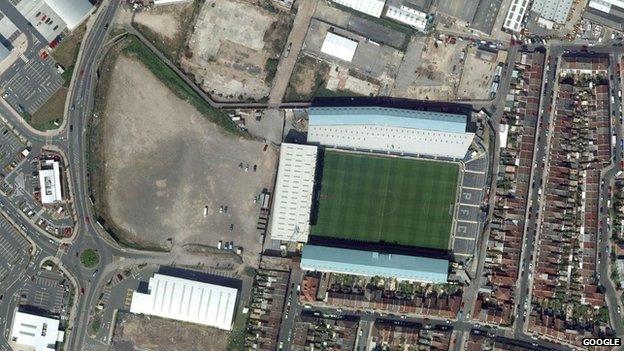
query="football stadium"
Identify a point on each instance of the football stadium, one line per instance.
(374, 191)
(391, 200)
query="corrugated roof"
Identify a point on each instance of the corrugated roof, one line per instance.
(391, 117)
(359, 262)
(187, 300)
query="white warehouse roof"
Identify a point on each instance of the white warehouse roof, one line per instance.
(515, 15)
(72, 12)
(187, 300)
(50, 183)
(369, 7)
(399, 131)
(293, 193)
(409, 16)
(35, 332)
(339, 46)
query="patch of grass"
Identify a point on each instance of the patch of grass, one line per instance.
(172, 48)
(67, 76)
(324, 92)
(236, 341)
(305, 64)
(134, 48)
(271, 68)
(95, 325)
(51, 111)
(89, 258)
(386, 199)
(67, 51)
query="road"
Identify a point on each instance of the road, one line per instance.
(539, 171)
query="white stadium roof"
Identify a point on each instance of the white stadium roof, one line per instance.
(369, 7)
(187, 300)
(339, 46)
(35, 332)
(293, 193)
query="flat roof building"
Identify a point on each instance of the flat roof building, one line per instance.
(339, 46)
(552, 10)
(515, 15)
(4, 52)
(370, 7)
(409, 16)
(50, 182)
(34, 332)
(367, 263)
(72, 12)
(607, 12)
(290, 220)
(399, 131)
(187, 300)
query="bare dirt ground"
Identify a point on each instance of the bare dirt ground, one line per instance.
(430, 72)
(477, 76)
(164, 163)
(164, 20)
(231, 45)
(134, 332)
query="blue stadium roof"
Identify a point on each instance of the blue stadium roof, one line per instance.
(367, 263)
(391, 117)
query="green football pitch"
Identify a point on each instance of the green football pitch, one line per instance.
(386, 199)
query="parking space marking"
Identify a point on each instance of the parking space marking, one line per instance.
(468, 205)
(471, 188)
(467, 221)
(464, 238)
(474, 172)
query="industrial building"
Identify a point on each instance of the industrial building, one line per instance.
(515, 15)
(339, 46)
(187, 300)
(50, 182)
(367, 263)
(52, 17)
(370, 7)
(552, 10)
(409, 16)
(293, 193)
(607, 12)
(34, 332)
(391, 130)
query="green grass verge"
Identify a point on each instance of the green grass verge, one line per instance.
(386, 199)
(89, 258)
(236, 341)
(67, 76)
(324, 92)
(271, 68)
(134, 48)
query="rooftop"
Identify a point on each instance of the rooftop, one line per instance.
(366, 263)
(390, 117)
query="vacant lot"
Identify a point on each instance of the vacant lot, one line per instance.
(165, 163)
(167, 26)
(386, 199)
(430, 70)
(233, 49)
(478, 75)
(309, 76)
(134, 332)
